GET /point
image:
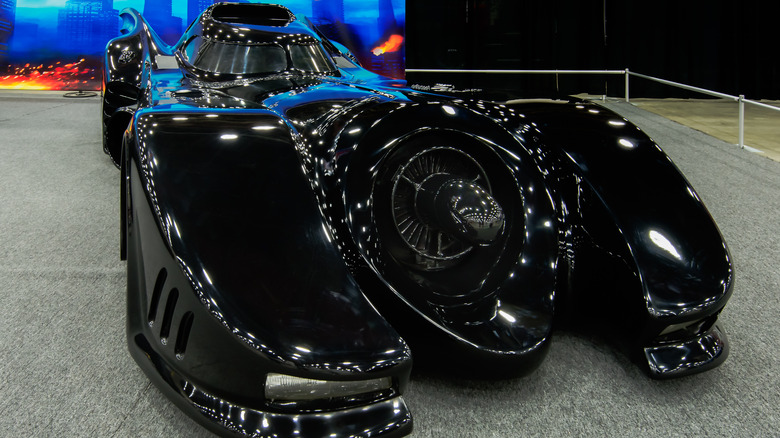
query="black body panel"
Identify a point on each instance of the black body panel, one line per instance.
(294, 236)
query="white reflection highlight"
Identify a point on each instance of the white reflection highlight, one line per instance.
(507, 316)
(663, 242)
(626, 143)
(206, 274)
(617, 123)
(228, 136)
(693, 194)
(263, 127)
(448, 109)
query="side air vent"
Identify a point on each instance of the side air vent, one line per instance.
(184, 334)
(257, 14)
(170, 306)
(159, 284)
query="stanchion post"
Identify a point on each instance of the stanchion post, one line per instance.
(742, 121)
(627, 101)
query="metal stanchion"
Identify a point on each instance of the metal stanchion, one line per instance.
(627, 76)
(742, 121)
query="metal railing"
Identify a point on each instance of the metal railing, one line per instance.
(627, 73)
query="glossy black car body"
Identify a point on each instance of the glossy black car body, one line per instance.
(285, 220)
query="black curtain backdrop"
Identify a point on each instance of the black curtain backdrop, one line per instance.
(730, 47)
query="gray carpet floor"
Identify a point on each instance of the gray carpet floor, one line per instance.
(65, 371)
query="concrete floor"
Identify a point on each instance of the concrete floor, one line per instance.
(720, 118)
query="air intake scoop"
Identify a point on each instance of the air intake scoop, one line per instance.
(253, 14)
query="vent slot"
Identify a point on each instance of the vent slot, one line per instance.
(156, 293)
(170, 306)
(184, 334)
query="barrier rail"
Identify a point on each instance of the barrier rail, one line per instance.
(627, 73)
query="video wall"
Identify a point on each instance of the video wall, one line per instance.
(59, 44)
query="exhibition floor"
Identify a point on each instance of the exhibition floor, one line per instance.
(720, 119)
(66, 371)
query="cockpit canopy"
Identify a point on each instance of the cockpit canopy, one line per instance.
(252, 40)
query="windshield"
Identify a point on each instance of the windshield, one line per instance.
(235, 58)
(311, 58)
(232, 58)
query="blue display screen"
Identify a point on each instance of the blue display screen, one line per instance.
(59, 44)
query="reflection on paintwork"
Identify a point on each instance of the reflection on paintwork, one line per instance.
(263, 127)
(343, 214)
(664, 243)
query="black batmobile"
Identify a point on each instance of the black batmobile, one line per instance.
(297, 227)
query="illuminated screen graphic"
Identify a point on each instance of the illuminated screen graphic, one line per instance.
(59, 44)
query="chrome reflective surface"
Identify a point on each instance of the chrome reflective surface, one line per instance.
(326, 225)
(460, 208)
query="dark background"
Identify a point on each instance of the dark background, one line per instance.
(730, 47)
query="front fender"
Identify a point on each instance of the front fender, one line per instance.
(236, 211)
(495, 304)
(649, 226)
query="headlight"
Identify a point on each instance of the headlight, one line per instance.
(291, 388)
